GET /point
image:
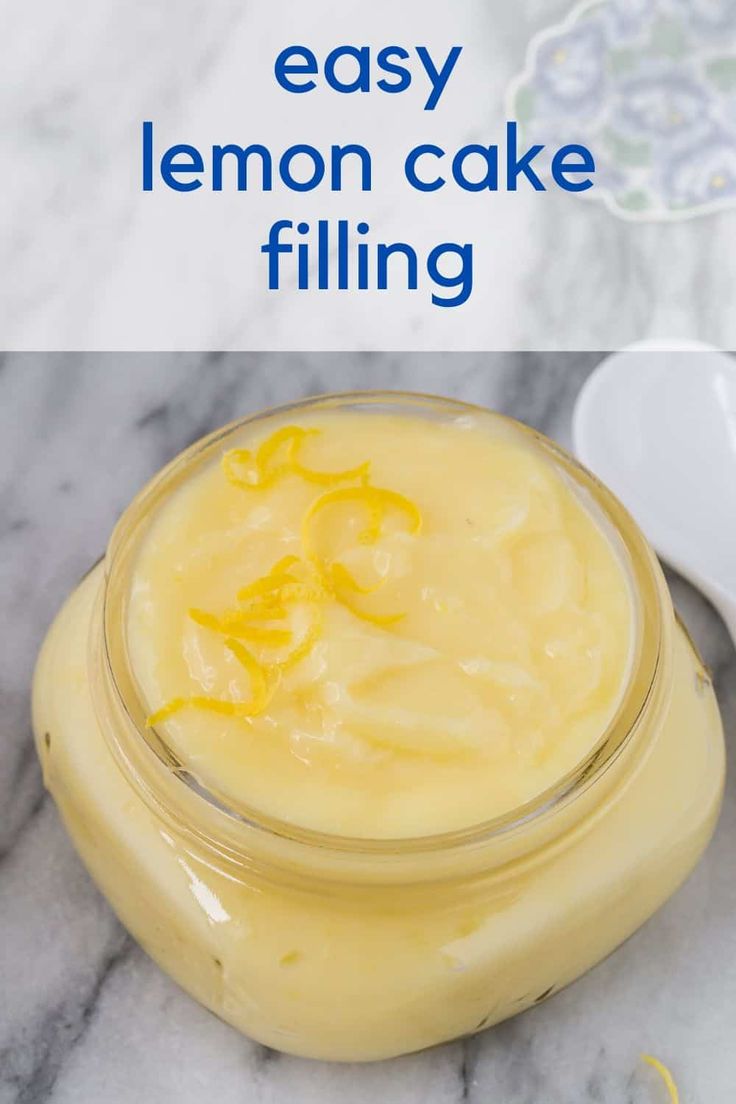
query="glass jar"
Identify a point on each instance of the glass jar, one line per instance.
(348, 949)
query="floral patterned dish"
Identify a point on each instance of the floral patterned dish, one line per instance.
(650, 87)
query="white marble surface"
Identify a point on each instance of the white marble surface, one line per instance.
(85, 1017)
(96, 264)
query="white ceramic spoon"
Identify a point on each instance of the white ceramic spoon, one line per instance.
(658, 425)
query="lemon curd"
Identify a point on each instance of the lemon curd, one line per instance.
(375, 726)
(373, 625)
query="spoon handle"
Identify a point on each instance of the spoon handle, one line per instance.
(727, 608)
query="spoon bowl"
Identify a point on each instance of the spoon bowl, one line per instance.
(657, 423)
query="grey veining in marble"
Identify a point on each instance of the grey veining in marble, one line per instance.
(85, 1017)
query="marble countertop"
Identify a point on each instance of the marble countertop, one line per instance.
(85, 1017)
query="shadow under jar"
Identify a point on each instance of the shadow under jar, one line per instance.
(349, 948)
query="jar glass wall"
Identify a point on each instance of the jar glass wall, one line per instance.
(358, 949)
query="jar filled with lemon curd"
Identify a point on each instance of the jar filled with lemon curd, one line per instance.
(375, 724)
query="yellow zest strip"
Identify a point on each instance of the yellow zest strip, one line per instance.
(267, 586)
(237, 624)
(378, 500)
(292, 436)
(262, 688)
(382, 620)
(337, 578)
(263, 470)
(307, 642)
(267, 609)
(666, 1076)
(233, 463)
(341, 579)
(259, 634)
(284, 564)
(207, 620)
(211, 705)
(271, 586)
(329, 479)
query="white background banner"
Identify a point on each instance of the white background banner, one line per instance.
(91, 261)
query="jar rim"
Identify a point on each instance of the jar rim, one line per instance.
(142, 747)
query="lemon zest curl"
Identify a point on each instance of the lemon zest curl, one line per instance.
(666, 1076)
(307, 579)
(258, 471)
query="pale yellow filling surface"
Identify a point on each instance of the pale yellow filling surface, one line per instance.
(380, 625)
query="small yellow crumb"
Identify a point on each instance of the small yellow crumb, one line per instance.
(666, 1076)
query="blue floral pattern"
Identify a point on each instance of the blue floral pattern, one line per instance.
(650, 87)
